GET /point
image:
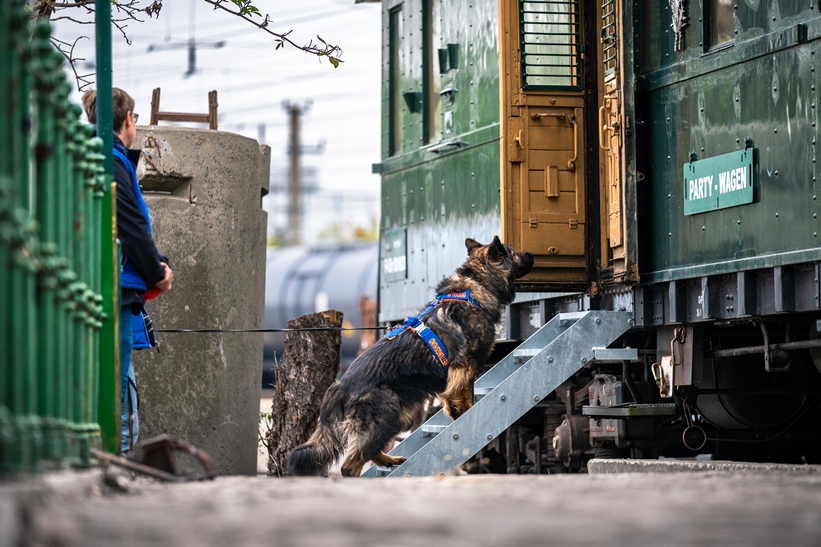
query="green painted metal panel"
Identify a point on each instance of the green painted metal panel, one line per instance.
(440, 202)
(440, 190)
(759, 93)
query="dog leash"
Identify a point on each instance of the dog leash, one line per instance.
(428, 336)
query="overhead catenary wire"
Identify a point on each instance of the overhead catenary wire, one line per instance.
(304, 329)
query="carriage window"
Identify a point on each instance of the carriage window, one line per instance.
(720, 22)
(550, 45)
(395, 85)
(432, 29)
(608, 36)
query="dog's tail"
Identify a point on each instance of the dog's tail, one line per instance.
(314, 457)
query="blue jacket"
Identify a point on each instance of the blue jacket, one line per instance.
(130, 278)
(141, 266)
(141, 260)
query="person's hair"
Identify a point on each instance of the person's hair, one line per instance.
(121, 103)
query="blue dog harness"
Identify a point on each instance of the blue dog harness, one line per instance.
(416, 325)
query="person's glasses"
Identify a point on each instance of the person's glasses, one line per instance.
(136, 116)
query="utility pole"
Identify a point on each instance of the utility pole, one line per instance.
(294, 236)
(295, 186)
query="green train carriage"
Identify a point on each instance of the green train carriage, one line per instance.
(658, 157)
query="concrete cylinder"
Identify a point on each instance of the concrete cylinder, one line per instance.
(204, 191)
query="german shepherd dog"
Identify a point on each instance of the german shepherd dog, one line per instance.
(378, 394)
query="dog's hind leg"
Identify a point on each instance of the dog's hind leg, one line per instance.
(353, 466)
(373, 420)
(386, 460)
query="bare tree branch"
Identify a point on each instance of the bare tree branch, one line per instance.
(82, 80)
(125, 11)
(246, 11)
(63, 5)
(72, 19)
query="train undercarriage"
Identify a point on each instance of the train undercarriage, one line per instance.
(745, 388)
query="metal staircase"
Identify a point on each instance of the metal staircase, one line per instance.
(507, 391)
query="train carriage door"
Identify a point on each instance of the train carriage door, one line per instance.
(544, 202)
(618, 254)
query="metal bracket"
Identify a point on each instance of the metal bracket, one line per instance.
(447, 146)
(664, 375)
(413, 100)
(774, 360)
(448, 94)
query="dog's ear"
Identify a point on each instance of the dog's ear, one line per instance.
(496, 249)
(471, 245)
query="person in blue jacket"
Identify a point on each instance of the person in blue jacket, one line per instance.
(144, 269)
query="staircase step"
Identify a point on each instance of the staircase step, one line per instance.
(524, 355)
(615, 354)
(479, 392)
(567, 319)
(630, 410)
(431, 430)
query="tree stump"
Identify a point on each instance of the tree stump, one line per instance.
(308, 367)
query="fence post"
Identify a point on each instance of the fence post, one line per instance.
(65, 277)
(86, 171)
(98, 241)
(7, 436)
(46, 67)
(24, 265)
(109, 389)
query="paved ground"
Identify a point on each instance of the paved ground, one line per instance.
(660, 505)
(670, 509)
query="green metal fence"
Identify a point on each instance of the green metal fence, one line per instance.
(55, 224)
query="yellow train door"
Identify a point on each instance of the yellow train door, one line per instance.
(618, 244)
(544, 201)
(549, 89)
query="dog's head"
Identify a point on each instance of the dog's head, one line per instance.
(489, 273)
(501, 256)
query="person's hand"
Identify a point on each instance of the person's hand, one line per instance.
(168, 280)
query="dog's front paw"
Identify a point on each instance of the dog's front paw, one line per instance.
(453, 411)
(456, 408)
